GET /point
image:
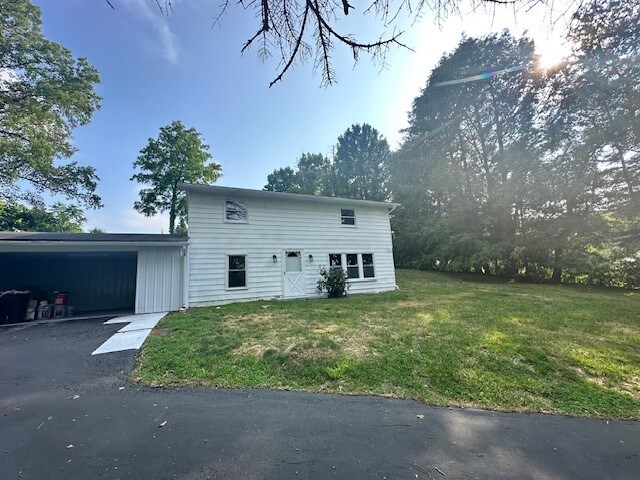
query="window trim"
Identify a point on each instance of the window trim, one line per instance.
(224, 210)
(355, 218)
(246, 271)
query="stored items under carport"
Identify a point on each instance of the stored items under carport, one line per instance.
(13, 306)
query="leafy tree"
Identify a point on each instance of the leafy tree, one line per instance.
(600, 97)
(176, 156)
(469, 152)
(44, 94)
(59, 218)
(360, 169)
(282, 180)
(97, 230)
(312, 176)
(520, 172)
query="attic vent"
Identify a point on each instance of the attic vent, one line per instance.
(235, 211)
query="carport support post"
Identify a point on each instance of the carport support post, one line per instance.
(185, 272)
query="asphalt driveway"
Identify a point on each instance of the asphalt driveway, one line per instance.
(67, 414)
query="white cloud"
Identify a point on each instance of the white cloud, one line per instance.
(126, 220)
(150, 13)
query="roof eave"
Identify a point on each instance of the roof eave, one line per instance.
(220, 190)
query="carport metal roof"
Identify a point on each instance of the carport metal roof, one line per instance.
(91, 237)
(18, 240)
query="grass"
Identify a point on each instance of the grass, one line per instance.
(441, 339)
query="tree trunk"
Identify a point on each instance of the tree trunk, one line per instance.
(172, 211)
(625, 171)
(556, 276)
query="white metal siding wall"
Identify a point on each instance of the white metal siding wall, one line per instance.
(275, 226)
(160, 279)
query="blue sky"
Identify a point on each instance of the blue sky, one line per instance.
(156, 68)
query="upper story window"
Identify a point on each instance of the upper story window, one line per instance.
(235, 211)
(348, 217)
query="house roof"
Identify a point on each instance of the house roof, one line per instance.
(295, 197)
(91, 237)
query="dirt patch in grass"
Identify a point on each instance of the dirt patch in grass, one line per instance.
(253, 349)
(632, 385)
(347, 342)
(240, 322)
(624, 329)
(326, 329)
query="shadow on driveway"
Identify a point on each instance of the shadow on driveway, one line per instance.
(67, 414)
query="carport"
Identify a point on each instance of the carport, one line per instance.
(103, 272)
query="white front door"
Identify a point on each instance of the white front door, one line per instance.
(293, 275)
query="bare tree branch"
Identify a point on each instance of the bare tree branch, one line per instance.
(294, 53)
(283, 26)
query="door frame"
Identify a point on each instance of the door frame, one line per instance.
(284, 273)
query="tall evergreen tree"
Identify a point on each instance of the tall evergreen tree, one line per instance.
(471, 148)
(360, 164)
(601, 101)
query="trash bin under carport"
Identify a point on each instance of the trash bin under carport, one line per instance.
(13, 306)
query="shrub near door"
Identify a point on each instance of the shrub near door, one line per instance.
(333, 281)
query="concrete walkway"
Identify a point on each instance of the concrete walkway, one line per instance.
(68, 415)
(133, 335)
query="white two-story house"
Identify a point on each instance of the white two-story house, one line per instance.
(253, 244)
(242, 245)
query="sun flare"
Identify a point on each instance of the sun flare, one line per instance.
(551, 53)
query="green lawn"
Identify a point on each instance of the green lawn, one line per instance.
(441, 339)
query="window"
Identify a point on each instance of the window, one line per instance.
(358, 265)
(237, 271)
(353, 271)
(235, 211)
(293, 262)
(348, 217)
(367, 265)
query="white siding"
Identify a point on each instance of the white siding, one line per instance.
(159, 279)
(274, 226)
